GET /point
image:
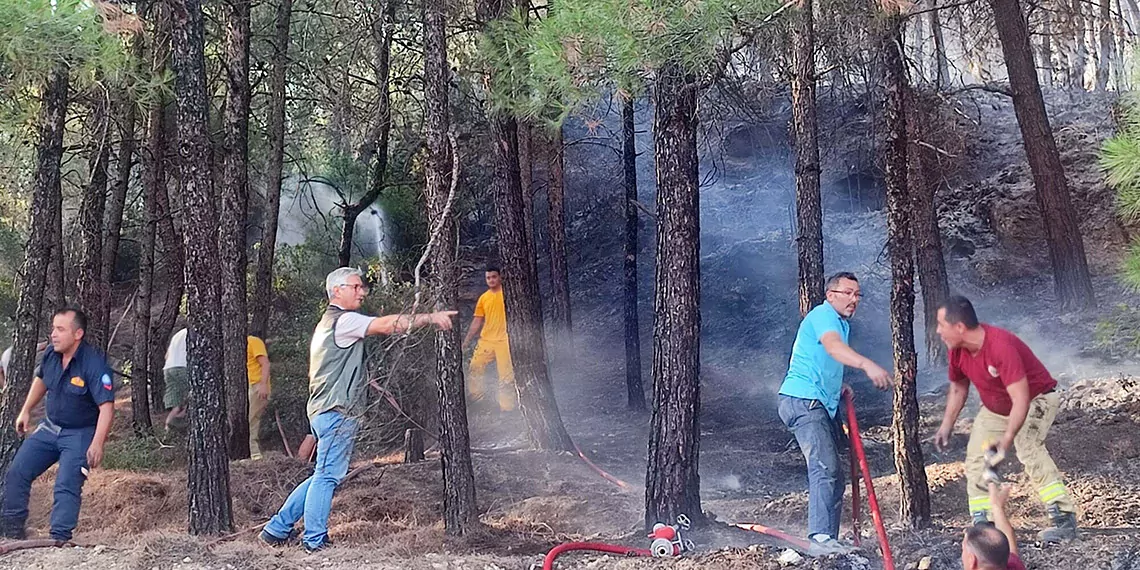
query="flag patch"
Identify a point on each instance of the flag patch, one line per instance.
(106, 380)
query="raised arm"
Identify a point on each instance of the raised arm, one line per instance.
(391, 324)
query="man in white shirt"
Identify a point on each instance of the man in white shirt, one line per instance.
(176, 379)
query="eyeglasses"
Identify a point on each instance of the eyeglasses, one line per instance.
(356, 286)
(850, 293)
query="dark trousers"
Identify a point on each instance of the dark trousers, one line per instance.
(46, 446)
(817, 435)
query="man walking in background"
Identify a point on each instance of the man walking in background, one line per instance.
(176, 379)
(1019, 404)
(336, 399)
(490, 323)
(76, 380)
(809, 400)
(257, 367)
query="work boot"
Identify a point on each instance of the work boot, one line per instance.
(1064, 527)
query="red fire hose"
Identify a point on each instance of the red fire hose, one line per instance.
(548, 562)
(857, 450)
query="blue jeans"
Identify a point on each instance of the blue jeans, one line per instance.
(312, 499)
(46, 446)
(816, 434)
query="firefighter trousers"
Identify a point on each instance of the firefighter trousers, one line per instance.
(499, 352)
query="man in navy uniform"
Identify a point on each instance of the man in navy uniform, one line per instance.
(76, 379)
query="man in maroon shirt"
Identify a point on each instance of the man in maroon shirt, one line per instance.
(992, 546)
(1019, 404)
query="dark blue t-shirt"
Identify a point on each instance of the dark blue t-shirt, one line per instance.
(74, 393)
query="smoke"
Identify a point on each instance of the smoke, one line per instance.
(311, 213)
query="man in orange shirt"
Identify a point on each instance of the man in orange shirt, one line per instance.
(257, 367)
(490, 323)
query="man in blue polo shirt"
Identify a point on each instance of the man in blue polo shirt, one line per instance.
(809, 400)
(76, 380)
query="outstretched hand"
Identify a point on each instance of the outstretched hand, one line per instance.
(442, 319)
(880, 377)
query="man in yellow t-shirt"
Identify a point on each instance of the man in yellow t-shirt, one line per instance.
(257, 367)
(490, 323)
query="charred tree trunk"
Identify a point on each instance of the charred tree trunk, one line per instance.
(635, 391)
(520, 288)
(383, 28)
(89, 287)
(941, 62)
(56, 296)
(559, 271)
(171, 272)
(927, 240)
(915, 501)
(1080, 51)
(46, 197)
(208, 479)
(672, 479)
(460, 511)
(231, 235)
(279, 65)
(117, 201)
(809, 211)
(526, 182)
(1104, 55)
(143, 368)
(1046, 47)
(1066, 250)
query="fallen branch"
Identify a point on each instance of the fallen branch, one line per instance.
(990, 87)
(13, 546)
(234, 535)
(280, 430)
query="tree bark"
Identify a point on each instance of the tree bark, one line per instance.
(1066, 250)
(383, 28)
(1080, 52)
(526, 182)
(672, 479)
(915, 494)
(927, 240)
(560, 317)
(460, 511)
(208, 480)
(117, 200)
(171, 272)
(231, 235)
(941, 62)
(520, 288)
(917, 41)
(143, 368)
(1046, 47)
(279, 66)
(46, 198)
(89, 287)
(635, 391)
(809, 211)
(1104, 55)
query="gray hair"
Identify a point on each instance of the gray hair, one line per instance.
(339, 277)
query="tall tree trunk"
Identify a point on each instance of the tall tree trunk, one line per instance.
(57, 295)
(143, 368)
(520, 288)
(89, 287)
(559, 271)
(1080, 52)
(915, 501)
(941, 62)
(279, 66)
(635, 392)
(1046, 48)
(927, 240)
(208, 480)
(117, 200)
(170, 271)
(526, 182)
(459, 507)
(672, 479)
(809, 211)
(383, 28)
(231, 237)
(1066, 250)
(1107, 49)
(918, 40)
(46, 197)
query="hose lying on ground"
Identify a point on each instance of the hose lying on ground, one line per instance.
(548, 562)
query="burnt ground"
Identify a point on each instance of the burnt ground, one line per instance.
(389, 515)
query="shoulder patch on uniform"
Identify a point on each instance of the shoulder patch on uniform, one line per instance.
(106, 380)
(77, 381)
